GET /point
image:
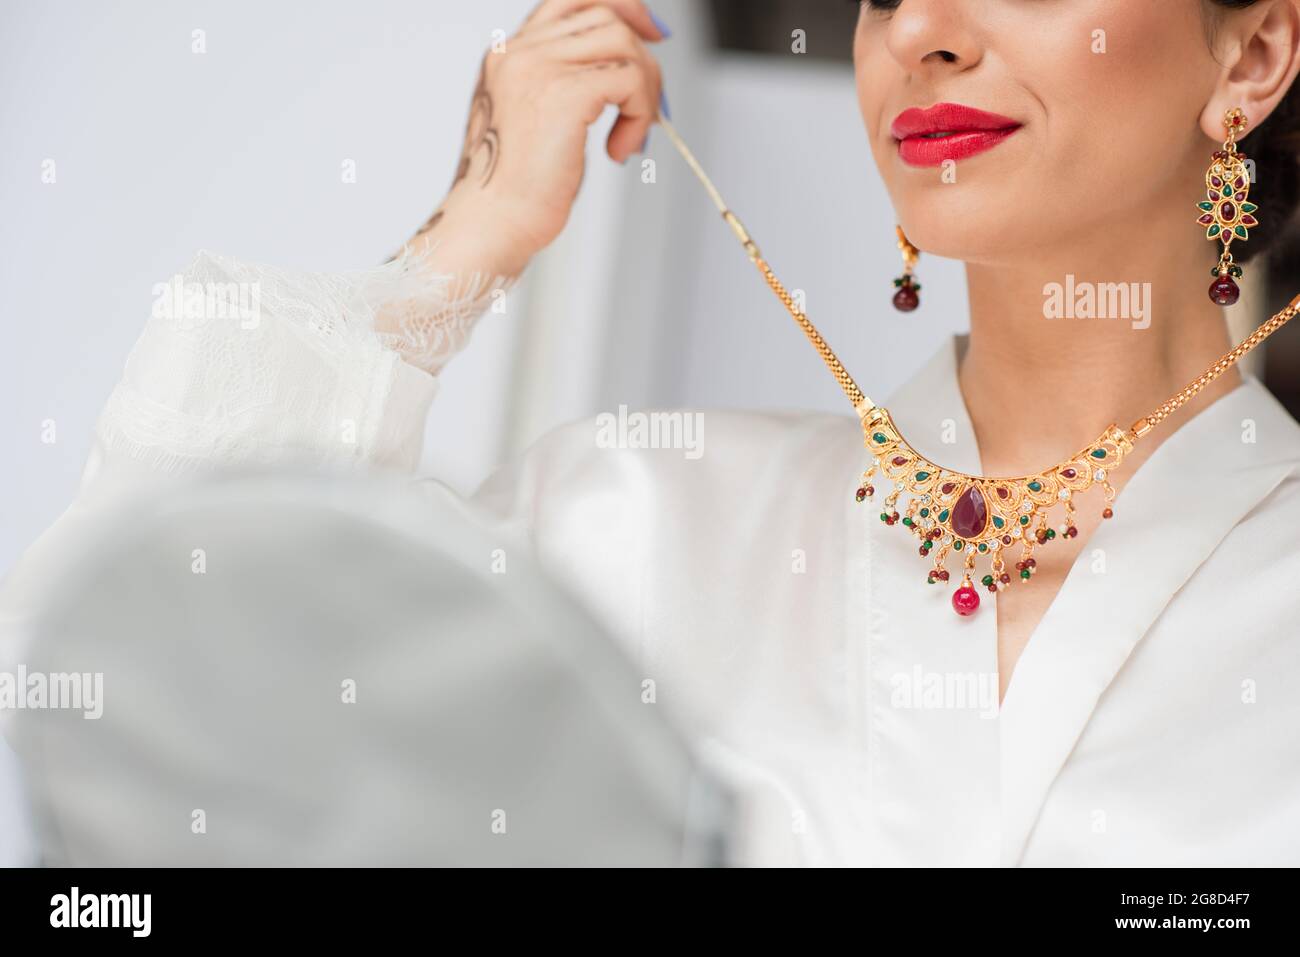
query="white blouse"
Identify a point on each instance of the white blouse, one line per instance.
(1153, 718)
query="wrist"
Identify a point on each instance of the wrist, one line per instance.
(474, 232)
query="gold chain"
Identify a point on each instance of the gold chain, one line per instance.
(1170, 406)
(828, 356)
(864, 404)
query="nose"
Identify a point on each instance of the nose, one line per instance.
(934, 36)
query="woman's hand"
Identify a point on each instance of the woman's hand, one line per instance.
(525, 143)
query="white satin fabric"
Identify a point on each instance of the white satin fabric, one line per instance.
(1152, 720)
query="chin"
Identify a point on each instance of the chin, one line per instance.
(969, 228)
(978, 214)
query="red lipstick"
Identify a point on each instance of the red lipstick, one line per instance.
(948, 131)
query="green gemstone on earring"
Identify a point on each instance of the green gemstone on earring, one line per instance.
(987, 580)
(1214, 231)
(880, 438)
(1024, 573)
(1035, 486)
(1240, 231)
(1248, 207)
(884, 516)
(1207, 206)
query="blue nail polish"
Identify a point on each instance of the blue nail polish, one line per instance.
(663, 105)
(663, 28)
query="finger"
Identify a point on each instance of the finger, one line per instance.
(616, 41)
(610, 41)
(621, 84)
(633, 12)
(576, 23)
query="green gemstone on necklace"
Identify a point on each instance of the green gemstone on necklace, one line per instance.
(983, 547)
(922, 476)
(1035, 486)
(943, 516)
(957, 544)
(1024, 519)
(998, 522)
(880, 438)
(1098, 453)
(925, 513)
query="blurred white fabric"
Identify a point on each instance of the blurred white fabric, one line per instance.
(493, 724)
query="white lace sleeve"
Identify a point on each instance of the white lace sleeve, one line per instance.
(242, 364)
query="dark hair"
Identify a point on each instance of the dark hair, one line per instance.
(1274, 145)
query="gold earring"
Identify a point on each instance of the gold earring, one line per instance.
(906, 298)
(1225, 213)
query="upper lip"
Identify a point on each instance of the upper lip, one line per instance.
(947, 118)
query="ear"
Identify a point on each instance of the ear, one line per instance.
(1259, 47)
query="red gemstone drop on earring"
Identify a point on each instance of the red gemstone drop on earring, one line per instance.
(907, 298)
(1224, 291)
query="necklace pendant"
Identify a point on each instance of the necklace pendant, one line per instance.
(966, 600)
(976, 517)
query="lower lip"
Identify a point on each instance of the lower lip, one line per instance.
(937, 150)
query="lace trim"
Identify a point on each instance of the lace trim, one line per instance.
(426, 329)
(248, 363)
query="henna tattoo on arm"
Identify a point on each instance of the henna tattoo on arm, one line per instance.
(481, 136)
(433, 221)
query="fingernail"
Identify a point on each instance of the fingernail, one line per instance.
(659, 24)
(663, 105)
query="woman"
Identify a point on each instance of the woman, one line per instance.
(1128, 703)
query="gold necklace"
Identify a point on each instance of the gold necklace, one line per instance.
(976, 516)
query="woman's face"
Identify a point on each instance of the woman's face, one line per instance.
(1096, 109)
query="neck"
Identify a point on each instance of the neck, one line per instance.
(1039, 388)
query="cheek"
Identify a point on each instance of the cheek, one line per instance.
(877, 77)
(1120, 87)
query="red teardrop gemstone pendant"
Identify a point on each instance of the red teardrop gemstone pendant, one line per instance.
(966, 600)
(1224, 291)
(970, 514)
(907, 298)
